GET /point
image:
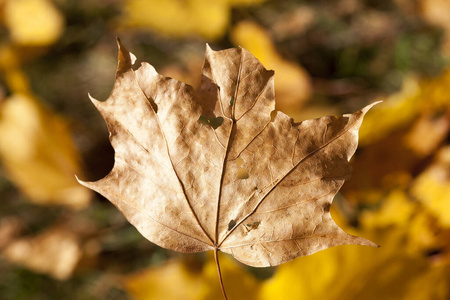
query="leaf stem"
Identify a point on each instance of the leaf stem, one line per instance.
(216, 258)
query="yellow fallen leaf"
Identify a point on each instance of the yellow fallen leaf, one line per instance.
(38, 153)
(397, 209)
(292, 87)
(399, 110)
(434, 93)
(181, 279)
(10, 67)
(425, 235)
(8, 57)
(360, 273)
(209, 19)
(400, 137)
(239, 283)
(33, 22)
(179, 18)
(427, 133)
(173, 280)
(55, 252)
(400, 269)
(396, 111)
(432, 187)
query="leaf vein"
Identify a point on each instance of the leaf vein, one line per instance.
(284, 176)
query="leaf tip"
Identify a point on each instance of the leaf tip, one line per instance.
(208, 49)
(359, 240)
(368, 107)
(126, 58)
(88, 184)
(365, 242)
(94, 101)
(80, 181)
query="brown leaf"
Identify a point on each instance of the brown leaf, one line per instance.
(178, 155)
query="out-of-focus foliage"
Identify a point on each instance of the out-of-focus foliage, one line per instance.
(36, 146)
(352, 52)
(432, 187)
(38, 153)
(208, 19)
(396, 111)
(401, 109)
(157, 282)
(33, 22)
(436, 12)
(194, 280)
(57, 245)
(359, 273)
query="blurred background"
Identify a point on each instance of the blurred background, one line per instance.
(61, 241)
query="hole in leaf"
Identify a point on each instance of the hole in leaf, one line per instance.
(213, 122)
(242, 173)
(232, 101)
(204, 120)
(253, 225)
(231, 224)
(239, 161)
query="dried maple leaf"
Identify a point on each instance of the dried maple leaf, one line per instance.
(209, 170)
